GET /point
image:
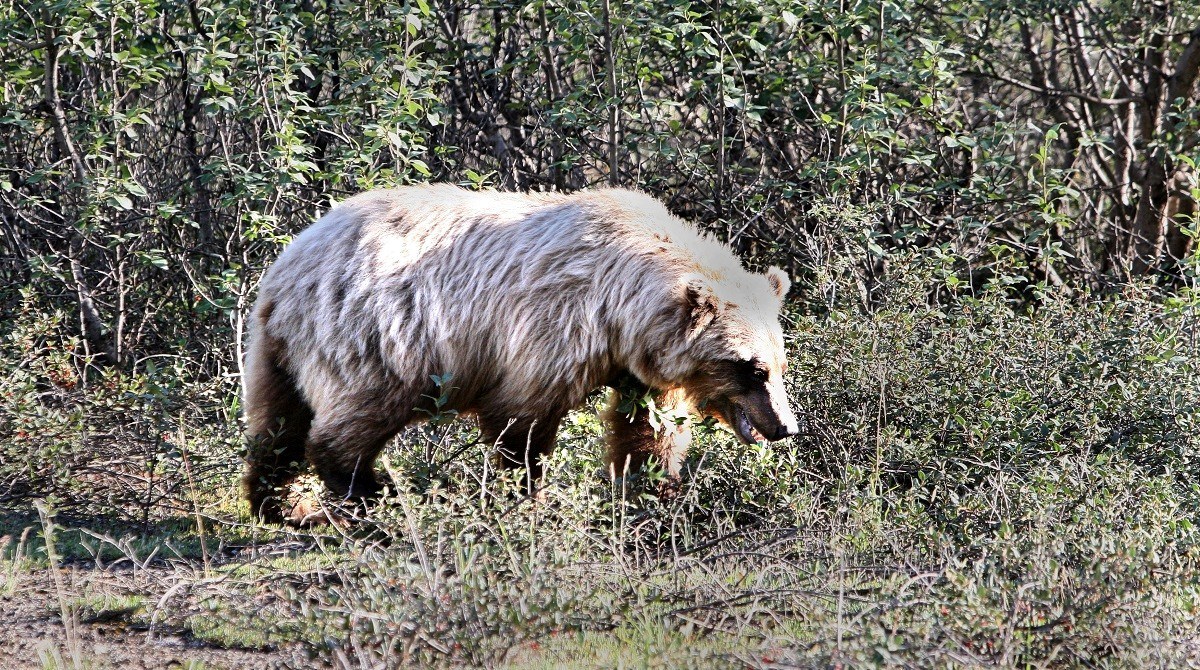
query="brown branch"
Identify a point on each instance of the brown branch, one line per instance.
(549, 63)
(58, 117)
(1186, 69)
(91, 323)
(1148, 238)
(1051, 91)
(613, 112)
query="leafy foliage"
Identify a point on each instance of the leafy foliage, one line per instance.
(1003, 447)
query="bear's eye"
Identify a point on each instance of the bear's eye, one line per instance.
(761, 371)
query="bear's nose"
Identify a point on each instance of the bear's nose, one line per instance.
(785, 430)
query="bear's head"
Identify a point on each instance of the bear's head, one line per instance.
(730, 359)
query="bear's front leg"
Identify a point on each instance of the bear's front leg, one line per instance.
(633, 438)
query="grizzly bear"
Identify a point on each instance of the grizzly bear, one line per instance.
(526, 303)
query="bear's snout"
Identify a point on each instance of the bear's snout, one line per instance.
(785, 426)
(785, 431)
(783, 418)
(761, 417)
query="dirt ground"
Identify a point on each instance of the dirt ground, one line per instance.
(32, 633)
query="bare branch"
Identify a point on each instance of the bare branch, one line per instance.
(1053, 92)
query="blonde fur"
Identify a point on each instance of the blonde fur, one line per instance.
(528, 301)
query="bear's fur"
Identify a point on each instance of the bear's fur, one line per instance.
(529, 302)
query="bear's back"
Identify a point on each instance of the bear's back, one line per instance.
(435, 279)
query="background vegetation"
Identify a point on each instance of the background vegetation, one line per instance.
(990, 208)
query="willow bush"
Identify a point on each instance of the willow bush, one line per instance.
(990, 209)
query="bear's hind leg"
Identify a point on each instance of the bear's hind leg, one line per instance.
(522, 442)
(343, 456)
(278, 422)
(342, 447)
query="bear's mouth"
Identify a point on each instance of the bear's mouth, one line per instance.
(744, 428)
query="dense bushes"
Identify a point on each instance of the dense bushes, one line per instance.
(986, 481)
(156, 155)
(984, 484)
(1002, 459)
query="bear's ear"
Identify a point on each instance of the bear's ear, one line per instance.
(701, 303)
(779, 281)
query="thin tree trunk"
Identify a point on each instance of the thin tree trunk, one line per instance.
(719, 195)
(1151, 224)
(613, 112)
(91, 324)
(549, 63)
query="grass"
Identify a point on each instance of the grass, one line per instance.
(985, 483)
